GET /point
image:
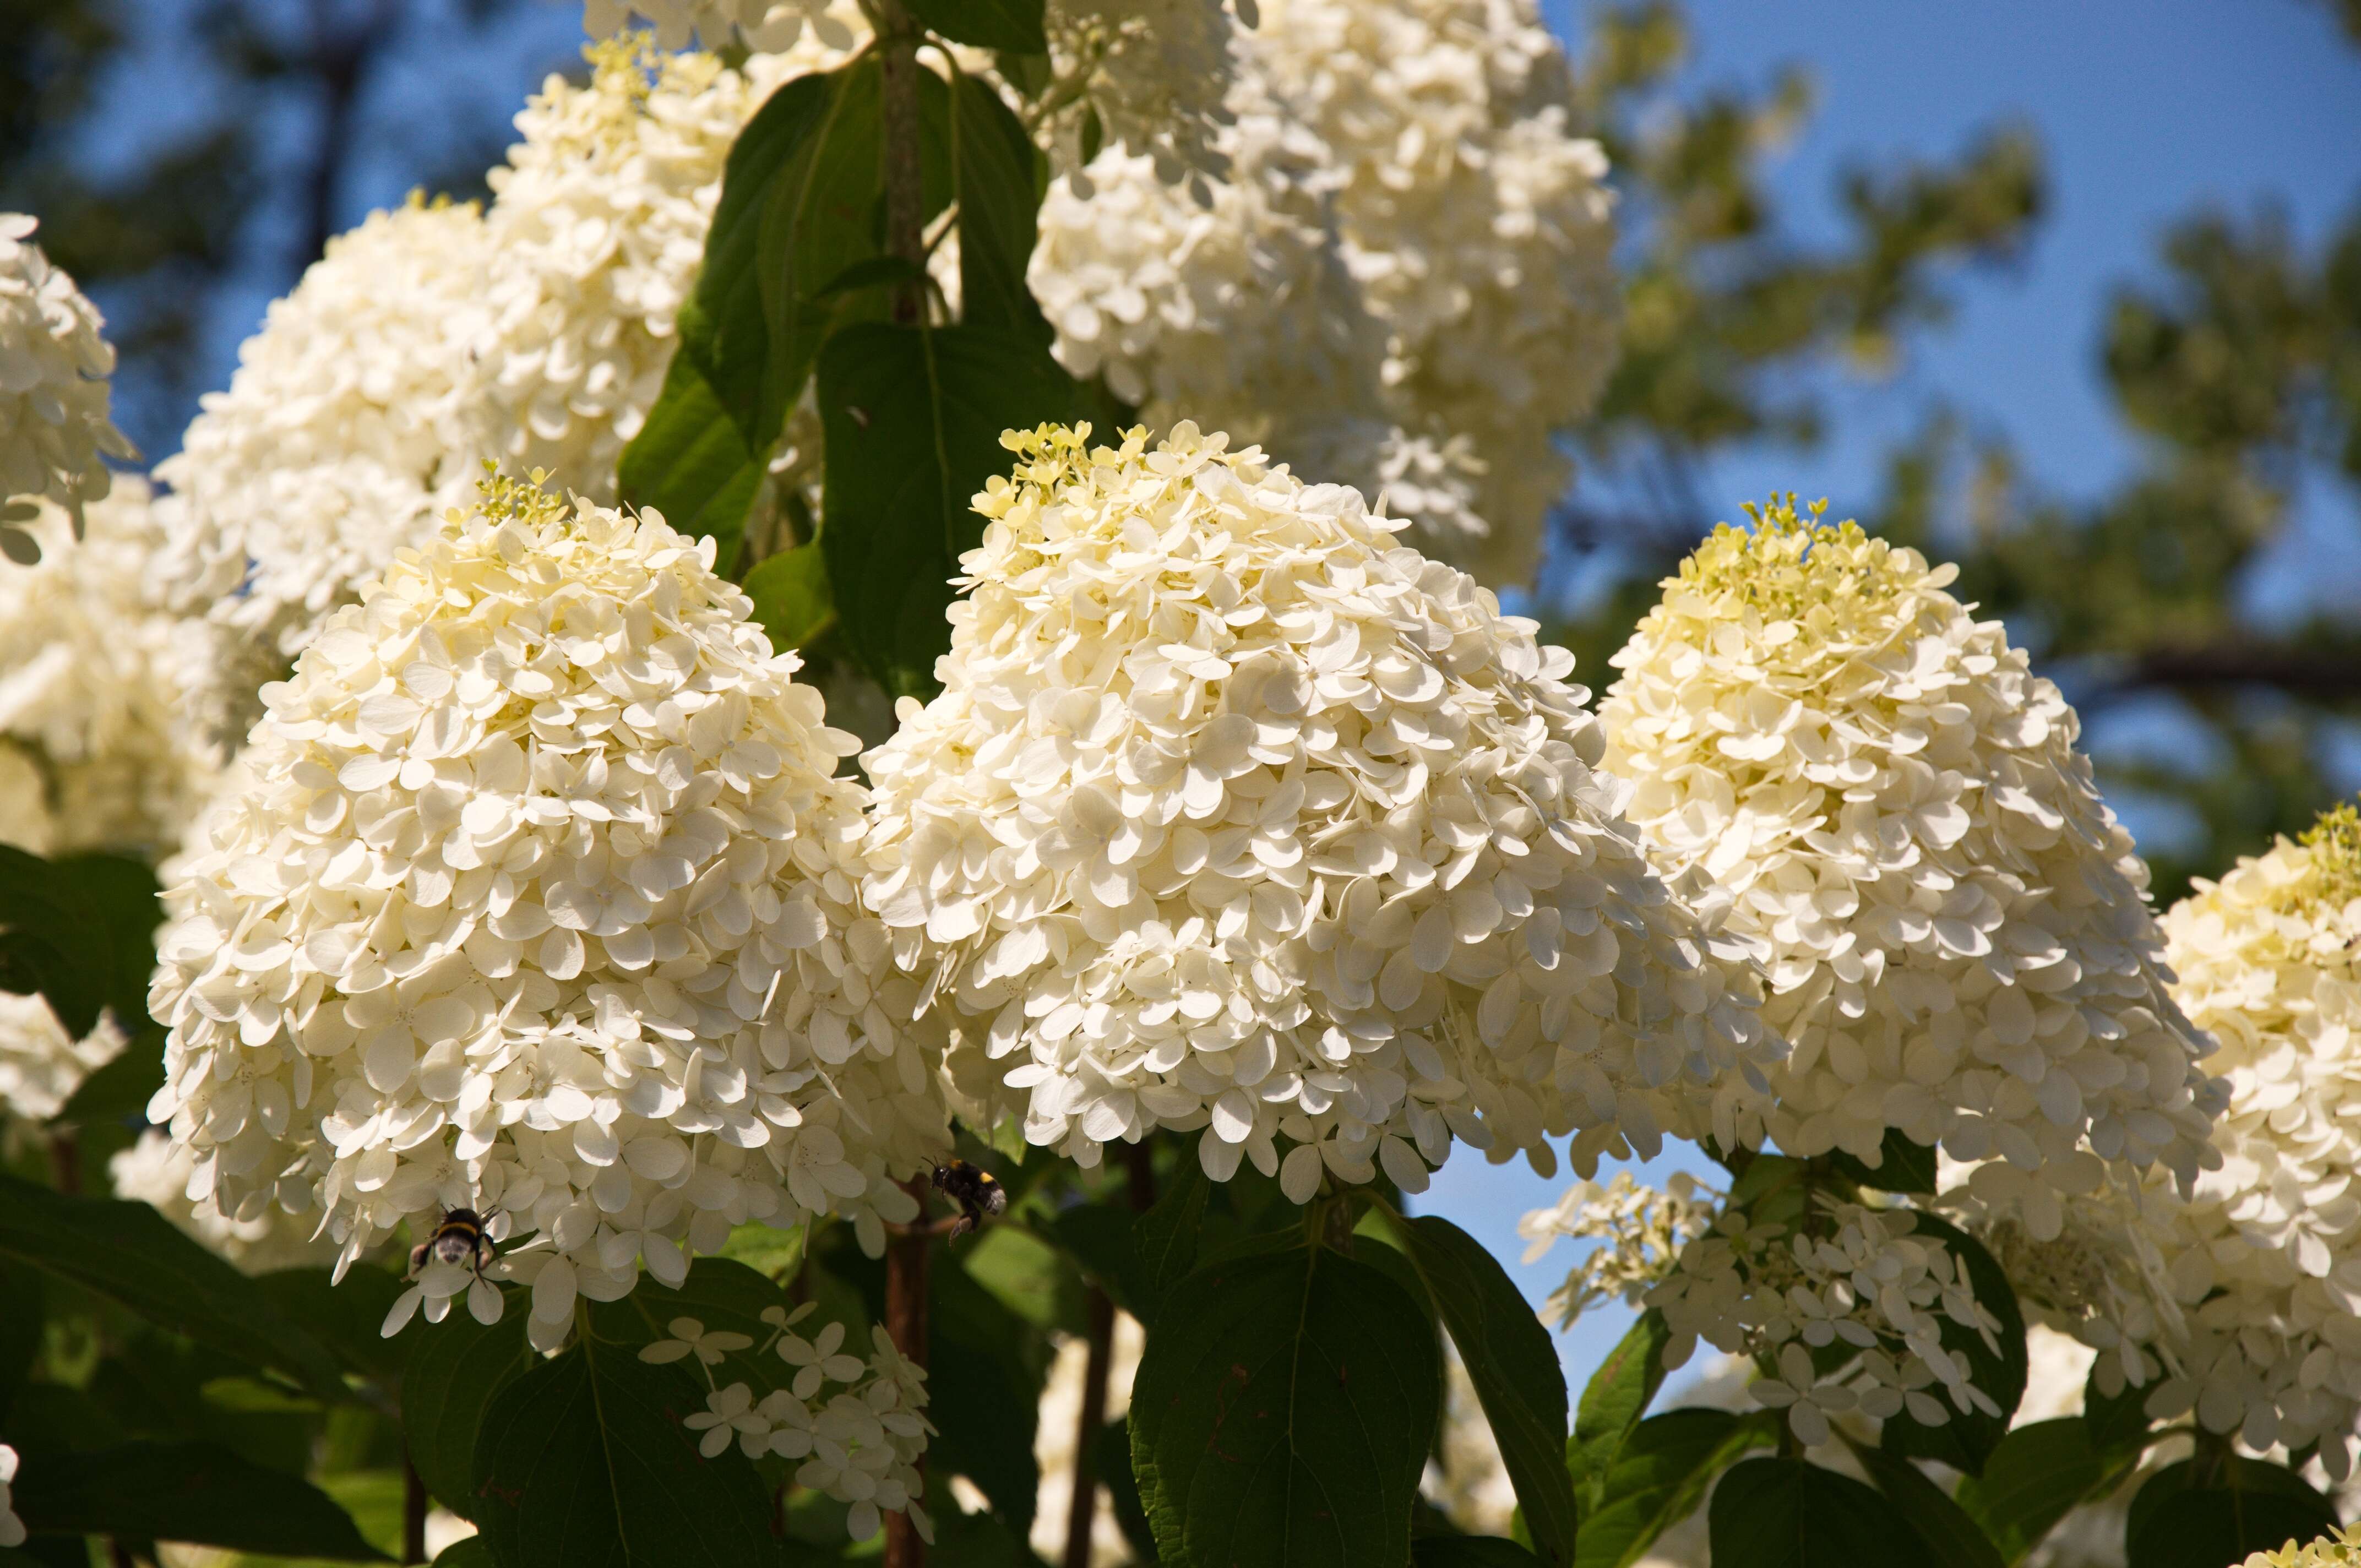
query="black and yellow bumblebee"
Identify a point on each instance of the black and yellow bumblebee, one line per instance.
(457, 1237)
(976, 1190)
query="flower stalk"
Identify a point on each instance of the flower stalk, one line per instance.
(907, 1260)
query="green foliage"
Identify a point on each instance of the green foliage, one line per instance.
(1790, 1513)
(1282, 1414)
(1966, 1440)
(1948, 1536)
(1514, 1369)
(80, 932)
(451, 1373)
(792, 597)
(1617, 1394)
(1903, 1166)
(1468, 1552)
(2217, 1509)
(1013, 25)
(1655, 1476)
(913, 416)
(582, 1461)
(195, 1492)
(2036, 1475)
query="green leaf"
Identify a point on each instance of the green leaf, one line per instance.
(791, 597)
(451, 1374)
(2217, 1509)
(120, 1090)
(20, 1329)
(1902, 1167)
(131, 1255)
(1969, 1437)
(722, 1295)
(469, 1551)
(2113, 1420)
(80, 932)
(1123, 1492)
(1656, 1478)
(1166, 1238)
(1282, 1413)
(985, 1369)
(770, 1251)
(2039, 1472)
(1617, 1396)
(195, 1492)
(1950, 1537)
(348, 1318)
(1038, 1282)
(1013, 25)
(746, 336)
(1468, 1552)
(1514, 1368)
(583, 1463)
(914, 417)
(1789, 1513)
(1000, 198)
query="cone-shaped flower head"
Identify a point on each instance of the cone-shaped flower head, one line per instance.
(2265, 1255)
(54, 420)
(539, 901)
(1956, 928)
(1234, 814)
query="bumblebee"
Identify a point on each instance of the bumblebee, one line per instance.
(977, 1192)
(457, 1237)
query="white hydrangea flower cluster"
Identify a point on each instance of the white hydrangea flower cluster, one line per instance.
(1235, 815)
(762, 25)
(1777, 1293)
(859, 1444)
(1155, 72)
(2265, 1255)
(12, 1529)
(95, 750)
(2341, 1549)
(1410, 246)
(1959, 940)
(40, 1064)
(54, 399)
(155, 1171)
(1642, 1228)
(539, 901)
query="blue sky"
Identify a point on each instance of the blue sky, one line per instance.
(2147, 109)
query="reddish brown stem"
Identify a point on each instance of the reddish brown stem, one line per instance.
(65, 1160)
(906, 1257)
(906, 202)
(414, 1514)
(1085, 1505)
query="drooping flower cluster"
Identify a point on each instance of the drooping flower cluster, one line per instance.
(54, 399)
(1403, 278)
(1643, 1230)
(540, 900)
(1847, 1275)
(1153, 73)
(1235, 815)
(2265, 1255)
(155, 1171)
(1959, 942)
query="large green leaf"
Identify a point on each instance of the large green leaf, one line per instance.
(453, 1371)
(1123, 1492)
(2214, 1511)
(913, 416)
(797, 187)
(79, 931)
(1468, 1552)
(791, 597)
(2117, 1419)
(2036, 1475)
(20, 1329)
(1013, 25)
(986, 1366)
(583, 1463)
(722, 1295)
(999, 175)
(1790, 1513)
(1950, 1536)
(131, 1255)
(1514, 1368)
(347, 1317)
(1902, 1167)
(195, 1492)
(1282, 1414)
(1969, 1437)
(1615, 1398)
(1165, 1240)
(1656, 1478)
(120, 1090)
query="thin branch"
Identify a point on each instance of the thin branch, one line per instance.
(907, 1260)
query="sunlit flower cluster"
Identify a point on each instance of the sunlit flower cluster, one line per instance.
(54, 398)
(1959, 942)
(2340, 1549)
(1642, 1229)
(155, 1171)
(859, 1444)
(1154, 75)
(1404, 279)
(2265, 1255)
(539, 899)
(40, 1064)
(1235, 815)
(1849, 1275)
(762, 25)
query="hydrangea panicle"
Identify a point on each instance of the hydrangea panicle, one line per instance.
(54, 399)
(1643, 1229)
(1958, 936)
(1235, 815)
(539, 901)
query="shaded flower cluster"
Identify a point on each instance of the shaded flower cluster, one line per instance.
(1956, 927)
(1846, 1276)
(155, 1171)
(859, 1444)
(1235, 815)
(1642, 1230)
(764, 24)
(539, 900)
(55, 423)
(40, 1064)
